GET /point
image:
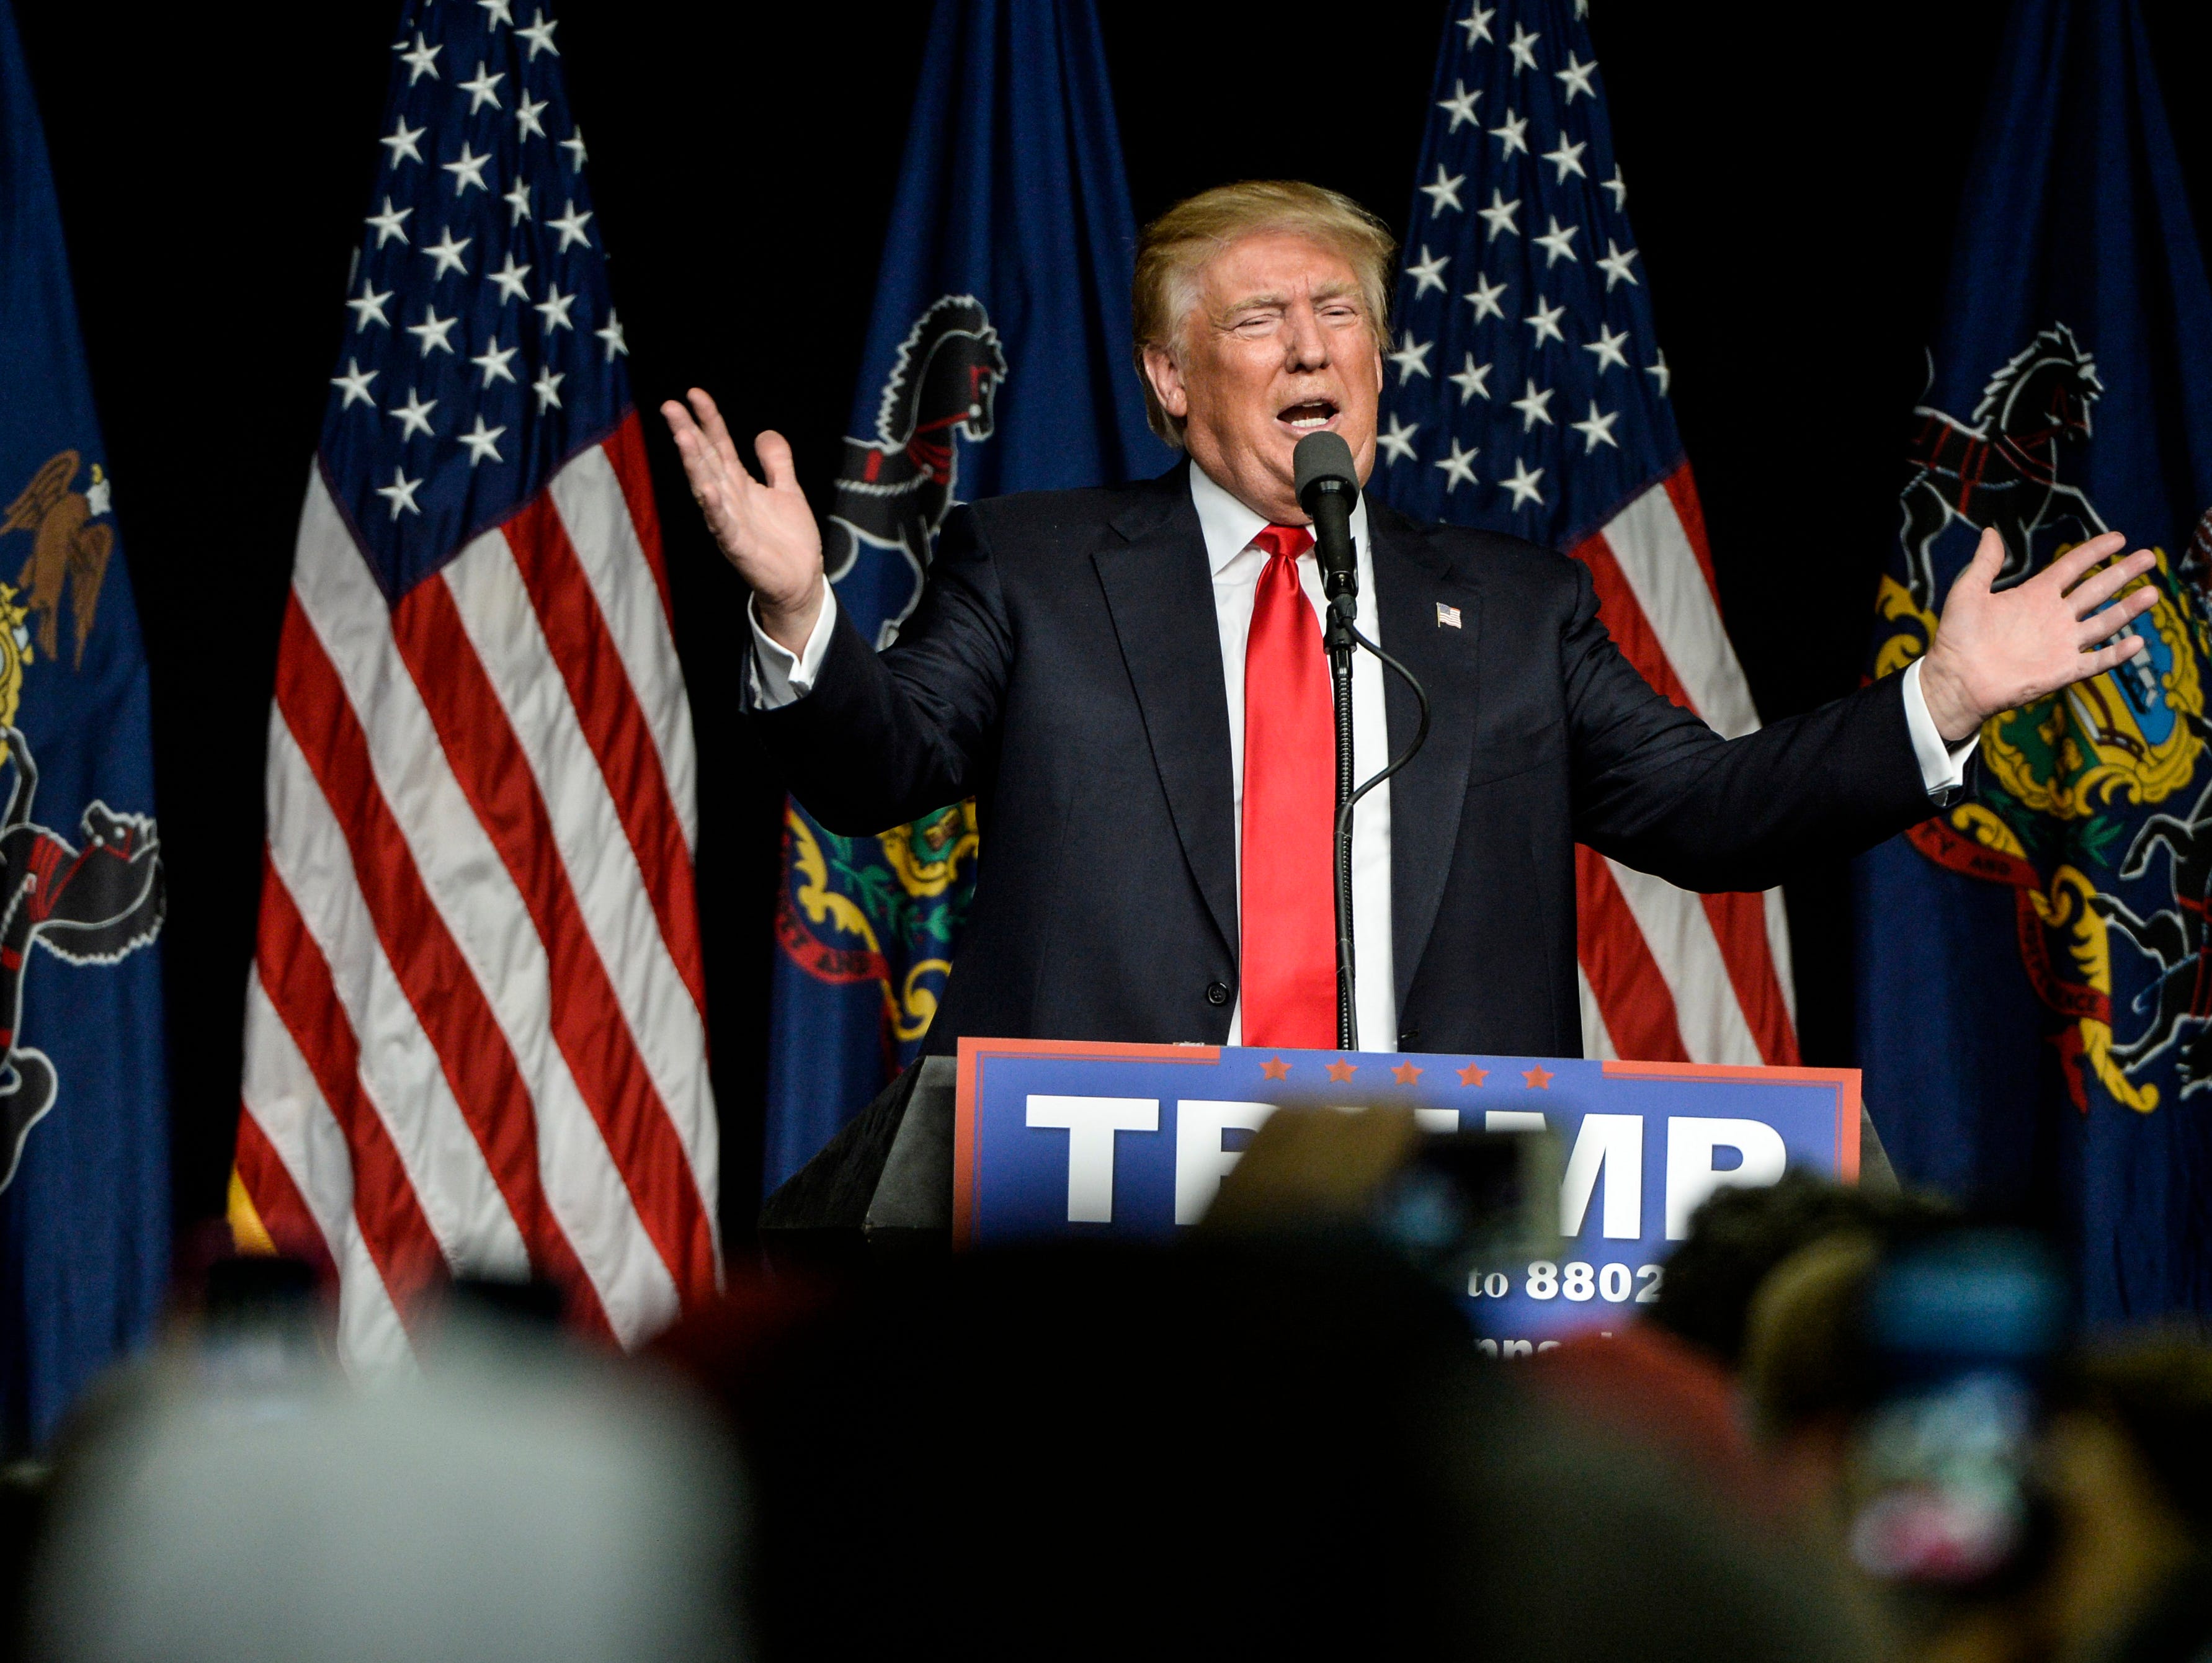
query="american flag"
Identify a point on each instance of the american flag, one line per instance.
(1527, 393)
(475, 1039)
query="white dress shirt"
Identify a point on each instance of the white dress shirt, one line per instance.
(780, 676)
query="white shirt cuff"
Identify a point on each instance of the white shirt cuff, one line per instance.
(1942, 767)
(780, 677)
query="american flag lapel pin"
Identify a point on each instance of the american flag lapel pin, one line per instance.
(1447, 617)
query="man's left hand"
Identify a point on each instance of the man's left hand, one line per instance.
(1997, 652)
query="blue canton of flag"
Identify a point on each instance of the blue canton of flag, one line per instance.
(475, 1035)
(84, 1135)
(998, 359)
(483, 344)
(1526, 393)
(1527, 390)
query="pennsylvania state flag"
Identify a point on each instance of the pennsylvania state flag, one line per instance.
(85, 1154)
(2035, 992)
(999, 360)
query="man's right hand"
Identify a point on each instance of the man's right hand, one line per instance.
(766, 532)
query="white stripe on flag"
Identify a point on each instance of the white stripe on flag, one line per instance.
(1597, 1041)
(484, 914)
(588, 498)
(495, 612)
(1680, 936)
(281, 1094)
(1656, 557)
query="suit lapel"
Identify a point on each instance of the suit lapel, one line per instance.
(1427, 796)
(1160, 592)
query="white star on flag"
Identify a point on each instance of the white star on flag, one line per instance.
(1444, 193)
(1597, 430)
(354, 383)
(1484, 297)
(1498, 217)
(1608, 346)
(1471, 380)
(413, 415)
(1567, 158)
(1458, 466)
(484, 88)
(1462, 104)
(482, 442)
(401, 142)
(1396, 441)
(570, 225)
(1535, 406)
(1524, 484)
(400, 493)
(1411, 358)
(1428, 273)
(1557, 243)
(554, 308)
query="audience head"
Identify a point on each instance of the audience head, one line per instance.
(1739, 1236)
(517, 1499)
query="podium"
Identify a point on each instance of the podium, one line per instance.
(1020, 1140)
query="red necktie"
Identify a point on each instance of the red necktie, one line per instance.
(1288, 906)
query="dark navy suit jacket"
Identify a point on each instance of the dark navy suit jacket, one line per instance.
(1064, 668)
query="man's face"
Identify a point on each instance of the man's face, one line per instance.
(1279, 346)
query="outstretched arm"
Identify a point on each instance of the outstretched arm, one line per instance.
(1995, 652)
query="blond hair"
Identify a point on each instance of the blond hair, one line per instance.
(1175, 248)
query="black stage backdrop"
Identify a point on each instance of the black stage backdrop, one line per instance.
(1793, 189)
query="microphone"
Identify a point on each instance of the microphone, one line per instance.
(1328, 490)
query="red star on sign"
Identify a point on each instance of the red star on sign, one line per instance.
(1538, 1078)
(1473, 1074)
(1274, 1069)
(1341, 1071)
(1406, 1073)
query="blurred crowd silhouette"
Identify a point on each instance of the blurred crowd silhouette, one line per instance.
(1855, 1425)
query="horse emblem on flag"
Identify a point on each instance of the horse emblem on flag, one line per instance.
(94, 903)
(896, 488)
(2113, 941)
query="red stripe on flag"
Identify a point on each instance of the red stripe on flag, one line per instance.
(1622, 614)
(472, 1052)
(1639, 1010)
(1682, 492)
(276, 1200)
(297, 979)
(625, 449)
(1739, 924)
(614, 725)
(587, 1021)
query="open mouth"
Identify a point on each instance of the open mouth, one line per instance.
(1309, 416)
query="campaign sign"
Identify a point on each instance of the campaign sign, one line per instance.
(1063, 1139)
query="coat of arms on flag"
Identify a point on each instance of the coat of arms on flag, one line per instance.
(2034, 988)
(475, 1032)
(84, 1093)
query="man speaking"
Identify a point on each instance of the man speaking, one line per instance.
(1131, 682)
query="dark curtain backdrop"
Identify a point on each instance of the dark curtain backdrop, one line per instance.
(1792, 184)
